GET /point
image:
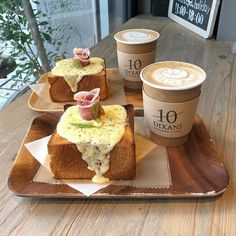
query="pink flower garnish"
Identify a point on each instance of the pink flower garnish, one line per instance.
(88, 103)
(85, 100)
(83, 55)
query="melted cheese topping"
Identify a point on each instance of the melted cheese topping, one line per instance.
(97, 142)
(73, 71)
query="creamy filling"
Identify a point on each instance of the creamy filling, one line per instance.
(94, 142)
(72, 70)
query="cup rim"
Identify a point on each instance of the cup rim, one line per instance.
(187, 101)
(136, 29)
(185, 87)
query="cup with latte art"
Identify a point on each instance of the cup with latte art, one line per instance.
(136, 48)
(171, 91)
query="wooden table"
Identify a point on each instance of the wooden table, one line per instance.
(208, 216)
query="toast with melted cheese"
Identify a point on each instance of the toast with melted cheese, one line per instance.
(66, 160)
(60, 91)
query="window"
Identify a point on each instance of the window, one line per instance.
(60, 26)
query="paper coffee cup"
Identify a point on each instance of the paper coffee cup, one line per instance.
(136, 48)
(171, 92)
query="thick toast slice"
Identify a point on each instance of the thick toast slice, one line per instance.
(60, 91)
(66, 161)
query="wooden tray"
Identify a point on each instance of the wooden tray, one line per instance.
(196, 170)
(40, 104)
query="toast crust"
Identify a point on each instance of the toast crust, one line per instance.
(60, 91)
(66, 161)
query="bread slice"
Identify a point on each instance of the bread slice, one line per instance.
(66, 161)
(60, 91)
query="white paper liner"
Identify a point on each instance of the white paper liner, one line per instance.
(39, 88)
(151, 172)
(152, 168)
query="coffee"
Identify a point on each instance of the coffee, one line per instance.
(171, 93)
(136, 36)
(136, 48)
(173, 75)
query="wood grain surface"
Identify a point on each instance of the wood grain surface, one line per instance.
(194, 167)
(208, 216)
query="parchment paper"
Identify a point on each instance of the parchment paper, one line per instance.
(152, 167)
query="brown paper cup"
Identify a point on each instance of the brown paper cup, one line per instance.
(169, 110)
(136, 48)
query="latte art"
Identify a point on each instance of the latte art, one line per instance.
(137, 36)
(175, 75)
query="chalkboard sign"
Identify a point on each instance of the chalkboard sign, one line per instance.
(197, 15)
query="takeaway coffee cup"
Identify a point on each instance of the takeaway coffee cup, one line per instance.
(136, 48)
(171, 91)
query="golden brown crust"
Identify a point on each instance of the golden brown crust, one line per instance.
(60, 91)
(66, 161)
